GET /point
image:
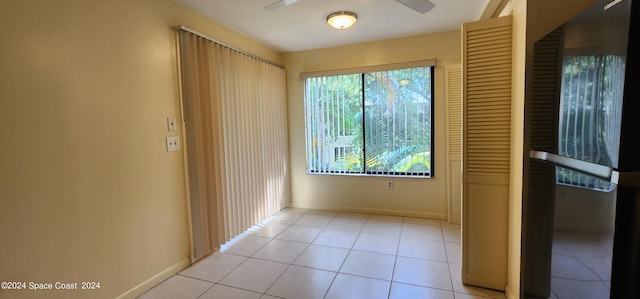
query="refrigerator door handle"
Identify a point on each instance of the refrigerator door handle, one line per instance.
(600, 171)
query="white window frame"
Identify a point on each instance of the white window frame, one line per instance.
(342, 142)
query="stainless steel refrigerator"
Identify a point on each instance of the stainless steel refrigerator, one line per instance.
(581, 178)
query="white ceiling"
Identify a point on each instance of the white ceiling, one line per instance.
(303, 26)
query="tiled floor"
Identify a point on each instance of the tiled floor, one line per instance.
(581, 265)
(310, 254)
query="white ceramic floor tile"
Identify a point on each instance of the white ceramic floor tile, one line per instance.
(295, 210)
(377, 243)
(246, 246)
(297, 252)
(406, 291)
(347, 223)
(302, 283)
(178, 287)
(214, 267)
(452, 234)
(421, 231)
(322, 257)
(224, 292)
(356, 287)
(422, 248)
(369, 264)
(280, 251)
(386, 218)
(354, 215)
(270, 230)
(336, 238)
(298, 233)
(570, 268)
(287, 217)
(421, 272)
(422, 221)
(576, 289)
(323, 212)
(392, 228)
(254, 275)
(314, 220)
(454, 252)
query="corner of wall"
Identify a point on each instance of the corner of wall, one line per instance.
(154, 280)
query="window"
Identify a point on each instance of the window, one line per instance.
(371, 123)
(590, 115)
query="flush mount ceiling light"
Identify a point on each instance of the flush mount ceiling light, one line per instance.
(342, 20)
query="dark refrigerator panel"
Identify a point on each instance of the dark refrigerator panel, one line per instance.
(625, 280)
(582, 153)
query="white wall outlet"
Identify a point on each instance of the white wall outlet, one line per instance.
(389, 185)
(171, 124)
(173, 144)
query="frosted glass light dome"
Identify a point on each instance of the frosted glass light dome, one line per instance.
(342, 20)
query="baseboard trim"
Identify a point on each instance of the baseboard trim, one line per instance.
(510, 294)
(154, 280)
(437, 216)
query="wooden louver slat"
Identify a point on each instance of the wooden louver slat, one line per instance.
(488, 101)
(454, 103)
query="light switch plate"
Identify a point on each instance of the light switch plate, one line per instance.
(173, 144)
(171, 124)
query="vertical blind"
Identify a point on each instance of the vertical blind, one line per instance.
(236, 134)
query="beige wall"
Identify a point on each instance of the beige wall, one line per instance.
(88, 191)
(410, 196)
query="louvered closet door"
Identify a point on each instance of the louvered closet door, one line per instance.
(454, 144)
(486, 93)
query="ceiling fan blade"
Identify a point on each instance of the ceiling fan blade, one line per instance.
(279, 4)
(421, 6)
